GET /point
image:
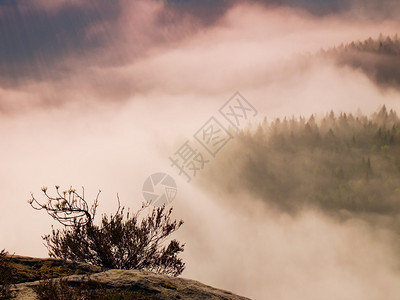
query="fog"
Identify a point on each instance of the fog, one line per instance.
(107, 104)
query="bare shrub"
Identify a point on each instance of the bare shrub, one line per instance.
(122, 241)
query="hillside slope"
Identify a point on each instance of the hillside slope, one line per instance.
(342, 162)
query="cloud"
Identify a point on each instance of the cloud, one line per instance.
(40, 38)
(152, 47)
(370, 9)
(44, 41)
(271, 254)
(37, 37)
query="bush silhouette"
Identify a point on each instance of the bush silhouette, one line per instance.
(122, 241)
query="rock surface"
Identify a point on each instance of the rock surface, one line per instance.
(31, 269)
(146, 285)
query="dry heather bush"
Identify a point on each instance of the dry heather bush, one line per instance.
(122, 241)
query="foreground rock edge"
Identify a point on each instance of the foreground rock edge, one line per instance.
(154, 285)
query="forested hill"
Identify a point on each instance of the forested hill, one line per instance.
(383, 45)
(378, 58)
(342, 162)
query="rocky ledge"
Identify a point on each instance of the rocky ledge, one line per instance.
(131, 284)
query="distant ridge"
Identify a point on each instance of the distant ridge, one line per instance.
(378, 58)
